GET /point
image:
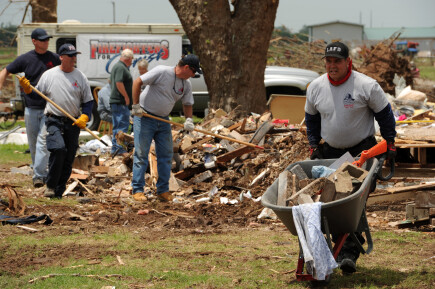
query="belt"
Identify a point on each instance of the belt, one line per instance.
(57, 116)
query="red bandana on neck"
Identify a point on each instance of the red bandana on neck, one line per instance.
(339, 82)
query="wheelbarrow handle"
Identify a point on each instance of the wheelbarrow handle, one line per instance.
(379, 175)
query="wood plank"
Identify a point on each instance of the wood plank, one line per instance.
(411, 188)
(99, 169)
(401, 172)
(236, 153)
(197, 144)
(186, 173)
(388, 197)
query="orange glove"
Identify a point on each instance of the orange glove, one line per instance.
(81, 121)
(25, 84)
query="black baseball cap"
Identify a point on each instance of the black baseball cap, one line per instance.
(40, 34)
(68, 49)
(193, 61)
(336, 49)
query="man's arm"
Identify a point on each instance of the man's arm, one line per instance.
(188, 111)
(3, 74)
(387, 123)
(121, 88)
(137, 83)
(314, 125)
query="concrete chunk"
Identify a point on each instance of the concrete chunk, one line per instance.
(299, 172)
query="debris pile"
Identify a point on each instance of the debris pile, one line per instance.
(382, 64)
(205, 169)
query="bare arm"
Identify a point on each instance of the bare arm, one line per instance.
(3, 74)
(121, 88)
(188, 111)
(137, 83)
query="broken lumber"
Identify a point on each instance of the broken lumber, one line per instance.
(311, 189)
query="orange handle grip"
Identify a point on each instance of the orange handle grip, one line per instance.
(378, 149)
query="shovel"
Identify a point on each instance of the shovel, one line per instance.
(64, 112)
(205, 132)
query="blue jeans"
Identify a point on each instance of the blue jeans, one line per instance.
(121, 121)
(145, 130)
(36, 137)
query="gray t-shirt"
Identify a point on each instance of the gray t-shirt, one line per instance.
(346, 110)
(163, 90)
(67, 90)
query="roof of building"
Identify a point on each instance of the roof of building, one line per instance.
(406, 32)
(336, 22)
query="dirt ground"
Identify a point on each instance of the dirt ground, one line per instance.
(110, 213)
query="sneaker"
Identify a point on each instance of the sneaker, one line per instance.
(37, 183)
(165, 197)
(49, 193)
(139, 197)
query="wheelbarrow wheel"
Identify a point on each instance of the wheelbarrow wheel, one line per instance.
(7, 121)
(321, 283)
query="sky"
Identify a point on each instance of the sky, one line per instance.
(293, 14)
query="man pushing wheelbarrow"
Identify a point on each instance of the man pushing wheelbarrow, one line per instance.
(340, 110)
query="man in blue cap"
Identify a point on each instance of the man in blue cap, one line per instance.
(34, 63)
(165, 85)
(69, 88)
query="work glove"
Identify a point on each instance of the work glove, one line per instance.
(25, 84)
(315, 153)
(136, 110)
(188, 124)
(391, 151)
(81, 121)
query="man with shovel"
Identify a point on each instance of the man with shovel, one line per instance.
(34, 63)
(340, 109)
(69, 89)
(165, 85)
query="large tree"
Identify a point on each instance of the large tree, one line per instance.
(44, 11)
(231, 39)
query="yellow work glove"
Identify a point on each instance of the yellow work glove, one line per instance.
(81, 121)
(25, 84)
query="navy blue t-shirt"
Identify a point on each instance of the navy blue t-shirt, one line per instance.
(33, 65)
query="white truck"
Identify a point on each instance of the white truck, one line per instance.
(100, 45)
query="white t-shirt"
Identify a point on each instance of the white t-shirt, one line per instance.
(163, 90)
(346, 110)
(67, 90)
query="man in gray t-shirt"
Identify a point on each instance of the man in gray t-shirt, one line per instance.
(164, 87)
(340, 109)
(69, 88)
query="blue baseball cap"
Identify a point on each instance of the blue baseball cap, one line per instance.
(40, 34)
(68, 49)
(193, 61)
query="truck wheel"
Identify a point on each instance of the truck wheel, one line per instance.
(94, 122)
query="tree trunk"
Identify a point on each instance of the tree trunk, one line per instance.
(232, 46)
(44, 11)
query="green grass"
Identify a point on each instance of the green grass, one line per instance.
(427, 72)
(426, 66)
(180, 119)
(244, 259)
(7, 55)
(12, 154)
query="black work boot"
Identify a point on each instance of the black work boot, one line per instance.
(346, 260)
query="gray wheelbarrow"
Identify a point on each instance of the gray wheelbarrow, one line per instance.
(340, 218)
